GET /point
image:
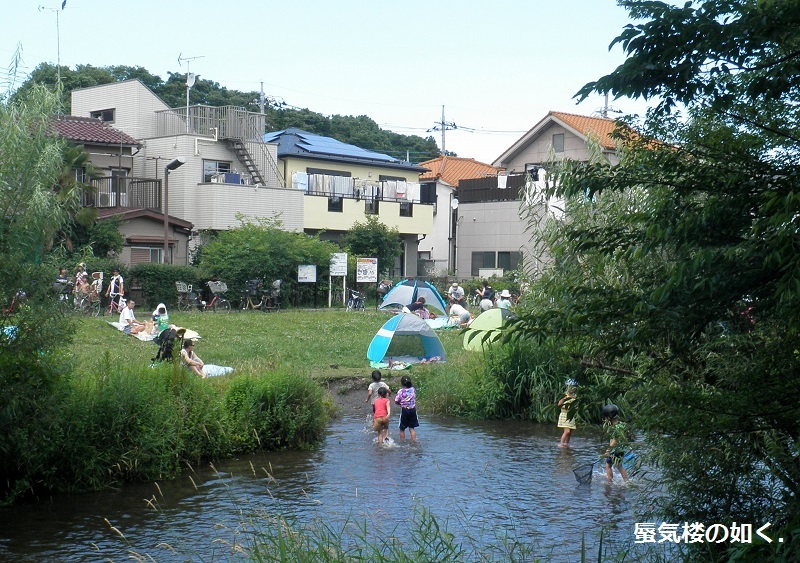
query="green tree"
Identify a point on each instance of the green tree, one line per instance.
(373, 239)
(261, 250)
(677, 279)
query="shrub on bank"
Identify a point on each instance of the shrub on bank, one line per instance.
(114, 423)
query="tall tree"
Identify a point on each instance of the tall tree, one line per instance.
(678, 278)
(373, 239)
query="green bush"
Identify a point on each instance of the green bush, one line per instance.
(275, 412)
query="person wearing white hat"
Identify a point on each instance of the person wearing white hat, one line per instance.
(504, 301)
(456, 295)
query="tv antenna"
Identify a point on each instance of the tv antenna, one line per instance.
(58, 37)
(190, 80)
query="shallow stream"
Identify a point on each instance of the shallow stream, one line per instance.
(482, 479)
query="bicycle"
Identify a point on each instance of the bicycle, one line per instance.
(88, 303)
(186, 297)
(356, 301)
(218, 301)
(116, 305)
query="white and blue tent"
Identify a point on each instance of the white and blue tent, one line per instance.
(408, 291)
(410, 336)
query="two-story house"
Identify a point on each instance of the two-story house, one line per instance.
(437, 251)
(342, 184)
(493, 232)
(115, 193)
(220, 166)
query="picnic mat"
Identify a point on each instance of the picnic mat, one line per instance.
(144, 337)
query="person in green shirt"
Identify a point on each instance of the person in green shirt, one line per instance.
(620, 442)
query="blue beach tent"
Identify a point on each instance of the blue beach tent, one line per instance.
(406, 326)
(408, 291)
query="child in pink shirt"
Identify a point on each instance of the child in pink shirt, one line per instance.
(380, 415)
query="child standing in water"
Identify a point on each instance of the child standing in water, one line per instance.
(372, 390)
(568, 424)
(407, 399)
(381, 409)
(620, 439)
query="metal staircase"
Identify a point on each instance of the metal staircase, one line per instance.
(243, 154)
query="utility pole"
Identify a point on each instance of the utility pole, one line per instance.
(443, 126)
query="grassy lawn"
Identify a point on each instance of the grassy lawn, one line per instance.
(307, 341)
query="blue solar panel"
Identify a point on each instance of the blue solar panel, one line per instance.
(317, 144)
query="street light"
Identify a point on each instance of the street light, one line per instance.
(171, 165)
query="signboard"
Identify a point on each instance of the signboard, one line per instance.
(367, 270)
(339, 264)
(307, 273)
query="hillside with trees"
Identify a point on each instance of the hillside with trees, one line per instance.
(357, 130)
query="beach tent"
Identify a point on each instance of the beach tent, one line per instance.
(486, 328)
(408, 291)
(410, 336)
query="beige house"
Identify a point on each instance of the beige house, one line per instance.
(342, 184)
(116, 193)
(493, 236)
(222, 166)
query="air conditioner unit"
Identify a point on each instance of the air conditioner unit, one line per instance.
(104, 200)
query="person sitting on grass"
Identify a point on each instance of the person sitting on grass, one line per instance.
(128, 320)
(190, 359)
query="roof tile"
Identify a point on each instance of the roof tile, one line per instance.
(451, 169)
(90, 130)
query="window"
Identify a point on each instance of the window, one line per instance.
(335, 204)
(482, 260)
(213, 167)
(508, 260)
(104, 115)
(406, 209)
(558, 142)
(385, 178)
(427, 193)
(80, 175)
(145, 254)
(327, 172)
(371, 206)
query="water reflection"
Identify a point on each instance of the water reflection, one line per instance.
(485, 479)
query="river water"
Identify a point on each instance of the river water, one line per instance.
(481, 479)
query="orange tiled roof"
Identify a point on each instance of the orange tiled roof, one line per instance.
(589, 126)
(451, 169)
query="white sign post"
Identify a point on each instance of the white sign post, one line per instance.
(338, 268)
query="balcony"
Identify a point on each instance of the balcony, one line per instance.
(123, 192)
(368, 190)
(481, 190)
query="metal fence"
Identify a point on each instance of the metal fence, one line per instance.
(124, 191)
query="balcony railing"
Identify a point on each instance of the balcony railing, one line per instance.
(228, 122)
(353, 188)
(478, 190)
(126, 192)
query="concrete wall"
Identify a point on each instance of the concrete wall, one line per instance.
(495, 227)
(290, 165)
(437, 242)
(317, 216)
(134, 104)
(215, 206)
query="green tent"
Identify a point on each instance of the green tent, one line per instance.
(485, 329)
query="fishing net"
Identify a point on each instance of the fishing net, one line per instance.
(584, 473)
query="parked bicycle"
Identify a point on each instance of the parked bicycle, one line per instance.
(189, 300)
(116, 305)
(356, 301)
(268, 299)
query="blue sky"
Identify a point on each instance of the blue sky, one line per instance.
(497, 67)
